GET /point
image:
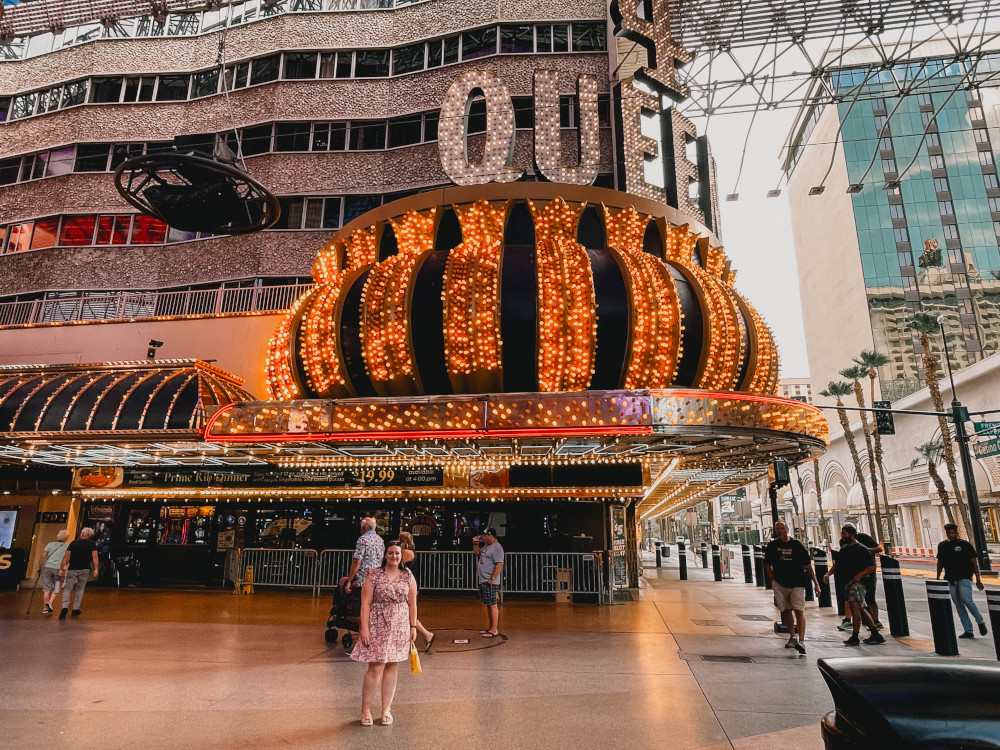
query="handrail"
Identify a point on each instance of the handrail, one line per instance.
(151, 305)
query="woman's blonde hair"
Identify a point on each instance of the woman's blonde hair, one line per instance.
(406, 541)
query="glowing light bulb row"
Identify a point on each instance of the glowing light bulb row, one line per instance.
(319, 349)
(279, 377)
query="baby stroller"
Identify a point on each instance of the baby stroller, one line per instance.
(345, 614)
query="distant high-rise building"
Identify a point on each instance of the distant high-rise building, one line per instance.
(895, 205)
(797, 389)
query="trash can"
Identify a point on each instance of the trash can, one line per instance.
(905, 703)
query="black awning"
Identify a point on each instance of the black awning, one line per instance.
(120, 398)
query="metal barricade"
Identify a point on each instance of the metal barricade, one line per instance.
(537, 572)
(447, 571)
(333, 565)
(292, 568)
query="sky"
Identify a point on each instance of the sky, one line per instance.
(756, 230)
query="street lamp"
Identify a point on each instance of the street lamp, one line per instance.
(959, 415)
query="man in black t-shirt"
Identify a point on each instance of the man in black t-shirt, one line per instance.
(855, 563)
(787, 564)
(870, 581)
(80, 556)
(960, 562)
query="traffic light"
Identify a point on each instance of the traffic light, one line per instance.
(777, 473)
(883, 419)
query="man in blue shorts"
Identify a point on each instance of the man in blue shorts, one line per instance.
(490, 558)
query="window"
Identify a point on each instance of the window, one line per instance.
(19, 237)
(431, 126)
(451, 50)
(148, 231)
(937, 161)
(560, 38)
(77, 230)
(976, 113)
(355, 205)
(543, 38)
(61, 161)
(479, 43)
(880, 121)
(328, 65)
(924, 100)
(933, 140)
(885, 144)
(566, 111)
(896, 211)
(172, 88)
(990, 180)
(113, 230)
(106, 90)
(408, 59)
(589, 37)
(945, 208)
(517, 39)
(372, 63)
(4, 108)
(92, 157)
(45, 233)
(300, 65)
(950, 231)
(73, 94)
(141, 89)
(981, 135)
(888, 165)
(900, 234)
(941, 184)
(292, 136)
(405, 131)
(434, 54)
(205, 84)
(926, 118)
(367, 136)
(9, 170)
(524, 112)
(23, 106)
(256, 140)
(123, 151)
(905, 259)
(986, 159)
(994, 204)
(265, 69)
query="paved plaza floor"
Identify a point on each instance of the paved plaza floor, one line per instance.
(691, 664)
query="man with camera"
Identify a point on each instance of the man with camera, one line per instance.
(489, 553)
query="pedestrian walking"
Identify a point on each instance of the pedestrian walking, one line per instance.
(48, 569)
(489, 554)
(388, 627)
(959, 561)
(81, 555)
(855, 563)
(410, 561)
(871, 582)
(368, 552)
(790, 568)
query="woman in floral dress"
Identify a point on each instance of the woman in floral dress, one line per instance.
(388, 627)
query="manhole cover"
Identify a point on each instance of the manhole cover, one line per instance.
(756, 618)
(734, 659)
(708, 623)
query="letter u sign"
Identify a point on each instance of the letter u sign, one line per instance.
(499, 148)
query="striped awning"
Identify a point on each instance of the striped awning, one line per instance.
(118, 399)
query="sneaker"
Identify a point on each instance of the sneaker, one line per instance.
(875, 639)
(791, 642)
(62, 613)
(77, 613)
(879, 625)
(982, 627)
(967, 634)
(846, 625)
(800, 648)
(47, 609)
(853, 641)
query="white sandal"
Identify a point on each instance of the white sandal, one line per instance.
(386, 718)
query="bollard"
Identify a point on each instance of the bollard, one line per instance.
(682, 560)
(942, 620)
(993, 605)
(659, 560)
(717, 562)
(704, 555)
(892, 581)
(747, 564)
(758, 564)
(819, 563)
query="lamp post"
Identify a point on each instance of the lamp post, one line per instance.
(959, 415)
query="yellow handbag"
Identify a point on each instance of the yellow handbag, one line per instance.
(414, 659)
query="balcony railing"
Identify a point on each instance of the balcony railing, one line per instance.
(146, 305)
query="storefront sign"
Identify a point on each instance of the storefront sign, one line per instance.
(50, 517)
(381, 476)
(619, 572)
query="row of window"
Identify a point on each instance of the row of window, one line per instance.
(287, 137)
(297, 213)
(179, 24)
(368, 63)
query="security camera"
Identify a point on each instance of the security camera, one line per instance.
(153, 346)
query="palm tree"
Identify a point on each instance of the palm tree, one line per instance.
(824, 528)
(837, 390)
(872, 359)
(931, 453)
(854, 374)
(925, 324)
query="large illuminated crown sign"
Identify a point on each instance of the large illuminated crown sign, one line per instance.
(519, 287)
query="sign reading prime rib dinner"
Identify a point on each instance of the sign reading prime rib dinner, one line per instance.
(688, 186)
